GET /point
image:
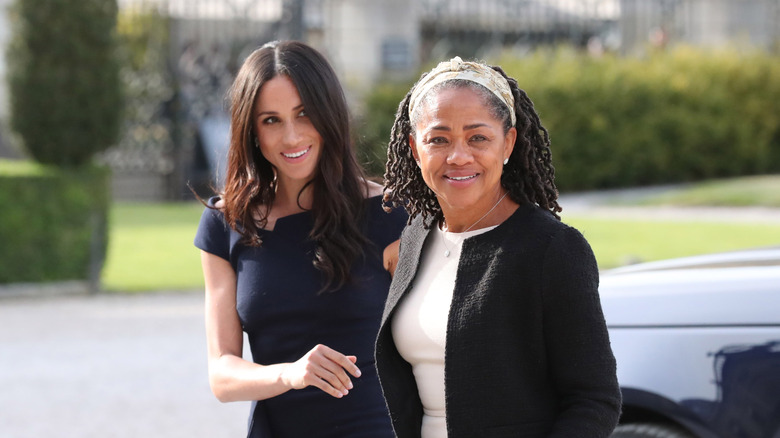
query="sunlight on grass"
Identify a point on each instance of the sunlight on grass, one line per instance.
(10, 168)
(150, 247)
(746, 191)
(151, 244)
(619, 242)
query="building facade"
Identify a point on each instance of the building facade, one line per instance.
(176, 127)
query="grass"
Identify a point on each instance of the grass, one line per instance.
(618, 242)
(151, 244)
(150, 247)
(20, 167)
(761, 191)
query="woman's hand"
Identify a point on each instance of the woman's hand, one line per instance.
(323, 368)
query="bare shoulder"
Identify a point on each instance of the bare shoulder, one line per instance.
(374, 189)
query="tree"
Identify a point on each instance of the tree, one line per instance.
(64, 79)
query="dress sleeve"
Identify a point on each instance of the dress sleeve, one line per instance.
(396, 220)
(213, 235)
(385, 227)
(581, 360)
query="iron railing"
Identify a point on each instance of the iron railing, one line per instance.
(181, 55)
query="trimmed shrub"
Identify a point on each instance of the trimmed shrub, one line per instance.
(680, 115)
(65, 104)
(53, 226)
(65, 90)
(373, 128)
(673, 116)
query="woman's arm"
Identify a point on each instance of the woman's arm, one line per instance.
(580, 357)
(374, 189)
(231, 377)
(390, 257)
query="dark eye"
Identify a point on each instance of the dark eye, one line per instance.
(437, 140)
(303, 113)
(478, 137)
(270, 120)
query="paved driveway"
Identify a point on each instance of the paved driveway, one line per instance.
(621, 203)
(135, 365)
(109, 366)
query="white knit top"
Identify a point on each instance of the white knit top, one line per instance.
(419, 325)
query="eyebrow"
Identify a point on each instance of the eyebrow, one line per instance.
(467, 127)
(263, 113)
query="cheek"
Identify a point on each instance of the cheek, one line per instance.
(266, 154)
(264, 143)
(432, 158)
(316, 136)
(263, 136)
(429, 167)
(307, 128)
(267, 143)
(317, 145)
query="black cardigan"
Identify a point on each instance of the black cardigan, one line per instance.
(527, 351)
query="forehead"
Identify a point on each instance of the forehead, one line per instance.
(452, 105)
(278, 92)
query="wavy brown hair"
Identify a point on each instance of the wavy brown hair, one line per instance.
(338, 186)
(529, 176)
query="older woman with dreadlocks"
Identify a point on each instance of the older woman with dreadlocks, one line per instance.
(492, 326)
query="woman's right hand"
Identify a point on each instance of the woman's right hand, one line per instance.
(324, 368)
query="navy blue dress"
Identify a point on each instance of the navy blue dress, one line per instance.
(284, 317)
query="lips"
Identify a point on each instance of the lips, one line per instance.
(297, 154)
(461, 177)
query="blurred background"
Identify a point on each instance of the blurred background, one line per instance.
(664, 117)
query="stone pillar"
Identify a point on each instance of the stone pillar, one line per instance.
(5, 36)
(368, 40)
(6, 150)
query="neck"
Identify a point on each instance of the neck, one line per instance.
(476, 217)
(289, 197)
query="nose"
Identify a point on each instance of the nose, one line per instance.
(460, 153)
(291, 135)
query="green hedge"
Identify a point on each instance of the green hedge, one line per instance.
(63, 74)
(53, 222)
(680, 115)
(373, 128)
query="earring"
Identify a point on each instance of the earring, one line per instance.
(257, 143)
(506, 160)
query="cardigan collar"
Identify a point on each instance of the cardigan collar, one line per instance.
(412, 241)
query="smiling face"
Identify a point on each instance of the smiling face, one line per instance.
(287, 138)
(460, 147)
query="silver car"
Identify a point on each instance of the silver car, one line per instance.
(697, 343)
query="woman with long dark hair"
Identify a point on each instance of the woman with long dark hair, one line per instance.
(292, 254)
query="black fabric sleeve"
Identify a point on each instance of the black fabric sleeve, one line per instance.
(581, 360)
(213, 235)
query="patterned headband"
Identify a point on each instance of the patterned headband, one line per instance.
(455, 68)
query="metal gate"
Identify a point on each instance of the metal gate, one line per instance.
(180, 56)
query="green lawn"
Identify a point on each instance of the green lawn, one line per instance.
(150, 247)
(151, 244)
(617, 242)
(762, 190)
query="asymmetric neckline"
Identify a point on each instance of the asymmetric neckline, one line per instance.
(291, 217)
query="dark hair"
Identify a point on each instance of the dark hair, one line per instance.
(338, 185)
(529, 176)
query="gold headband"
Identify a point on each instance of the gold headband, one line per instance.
(455, 68)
